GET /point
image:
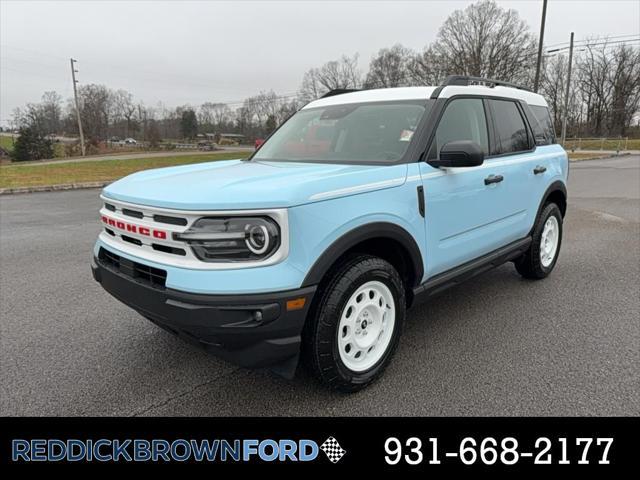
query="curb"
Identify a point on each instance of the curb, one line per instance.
(54, 188)
(604, 157)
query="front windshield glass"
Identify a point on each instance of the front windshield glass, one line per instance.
(351, 133)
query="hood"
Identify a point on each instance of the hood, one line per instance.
(237, 184)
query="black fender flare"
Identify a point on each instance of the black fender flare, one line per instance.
(360, 234)
(557, 186)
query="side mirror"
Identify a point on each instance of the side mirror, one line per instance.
(460, 153)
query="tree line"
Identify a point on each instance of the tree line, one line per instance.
(483, 40)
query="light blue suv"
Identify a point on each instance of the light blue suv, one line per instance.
(359, 206)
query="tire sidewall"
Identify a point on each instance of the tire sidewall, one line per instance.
(549, 210)
(332, 313)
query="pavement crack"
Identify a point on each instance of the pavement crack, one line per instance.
(171, 398)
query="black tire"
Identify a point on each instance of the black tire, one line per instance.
(530, 265)
(320, 337)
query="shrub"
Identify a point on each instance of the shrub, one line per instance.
(31, 145)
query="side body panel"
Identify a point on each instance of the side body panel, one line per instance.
(466, 219)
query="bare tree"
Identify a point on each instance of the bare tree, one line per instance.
(125, 108)
(553, 86)
(593, 75)
(96, 105)
(625, 86)
(215, 116)
(426, 68)
(389, 68)
(486, 40)
(311, 87)
(52, 111)
(336, 74)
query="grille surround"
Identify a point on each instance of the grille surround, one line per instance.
(169, 251)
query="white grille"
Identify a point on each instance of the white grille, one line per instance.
(124, 230)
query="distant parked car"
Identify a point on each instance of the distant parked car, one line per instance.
(259, 141)
(206, 146)
(130, 141)
(114, 139)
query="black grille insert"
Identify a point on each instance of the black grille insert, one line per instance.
(170, 220)
(167, 249)
(145, 274)
(129, 239)
(132, 213)
(108, 206)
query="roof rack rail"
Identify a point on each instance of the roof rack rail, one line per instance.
(463, 80)
(339, 91)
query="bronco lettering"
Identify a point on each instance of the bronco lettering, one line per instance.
(128, 227)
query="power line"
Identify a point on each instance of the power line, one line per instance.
(593, 39)
(596, 44)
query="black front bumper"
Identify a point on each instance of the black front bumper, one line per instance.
(252, 331)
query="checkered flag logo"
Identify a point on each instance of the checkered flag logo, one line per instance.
(333, 450)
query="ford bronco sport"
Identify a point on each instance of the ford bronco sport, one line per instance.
(359, 206)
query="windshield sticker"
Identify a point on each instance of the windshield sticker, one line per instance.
(405, 135)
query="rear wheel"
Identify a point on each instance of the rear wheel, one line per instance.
(539, 260)
(354, 328)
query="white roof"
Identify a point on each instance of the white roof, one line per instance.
(375, 95)
(417, 93)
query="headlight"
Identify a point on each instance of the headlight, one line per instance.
(232, 239)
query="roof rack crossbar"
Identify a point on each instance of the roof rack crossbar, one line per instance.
(339, 91)
(464, 80)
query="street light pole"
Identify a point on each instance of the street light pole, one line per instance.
(566, 94)
(540, 43)
(75, 94)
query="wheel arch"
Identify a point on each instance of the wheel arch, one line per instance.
(556, 192)
(384, 239)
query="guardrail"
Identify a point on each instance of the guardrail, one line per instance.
(618, 144)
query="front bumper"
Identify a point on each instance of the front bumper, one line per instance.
(250, 330)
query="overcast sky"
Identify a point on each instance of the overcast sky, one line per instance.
(181, 52)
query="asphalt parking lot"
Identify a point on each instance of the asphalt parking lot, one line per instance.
(497, 345)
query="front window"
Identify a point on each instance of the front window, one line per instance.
(351, 133)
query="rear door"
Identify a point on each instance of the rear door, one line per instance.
(515, 153)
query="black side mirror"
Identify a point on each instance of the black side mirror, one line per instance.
(460, 153)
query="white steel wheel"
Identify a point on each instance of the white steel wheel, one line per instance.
(366, 326)
(549, 241)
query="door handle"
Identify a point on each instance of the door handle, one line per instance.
(539, 169)
(493, 179)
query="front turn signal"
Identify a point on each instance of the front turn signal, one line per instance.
(296, 304)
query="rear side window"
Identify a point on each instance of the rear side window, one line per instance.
(543, 126)
(511, 131)
(464, 119)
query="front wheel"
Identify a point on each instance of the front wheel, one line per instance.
(354, 329)
(542, 255)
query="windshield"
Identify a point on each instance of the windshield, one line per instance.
(350, 133)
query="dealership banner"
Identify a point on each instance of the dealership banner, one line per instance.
(333, 444)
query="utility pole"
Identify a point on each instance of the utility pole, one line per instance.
(75, 94)
(566, 94)
(536, 83)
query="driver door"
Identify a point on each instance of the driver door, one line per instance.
(464, 214)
